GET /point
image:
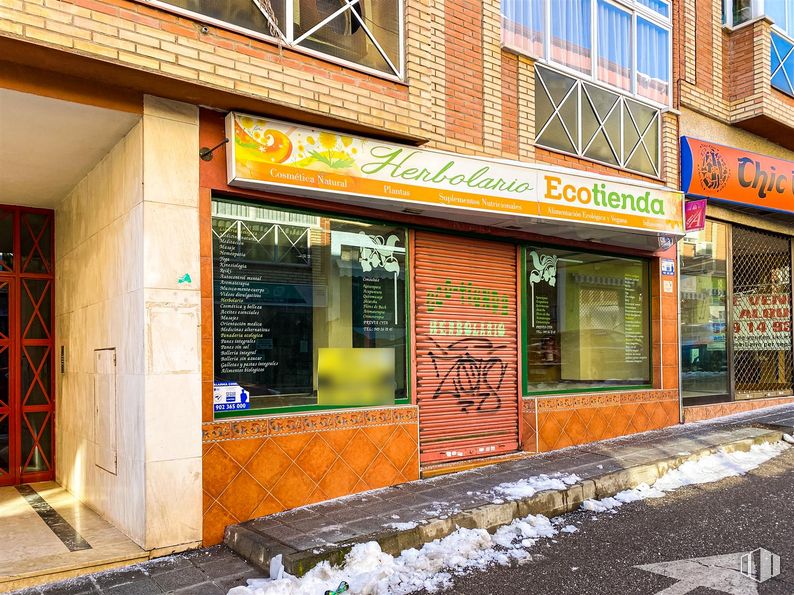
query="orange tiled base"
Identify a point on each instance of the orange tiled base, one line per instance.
(566, 421)
(258, 467)
(529, 430)
(702, 412)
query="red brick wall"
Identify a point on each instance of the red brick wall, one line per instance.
(464, 71)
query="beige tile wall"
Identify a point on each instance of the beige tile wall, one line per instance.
(125, 236)
(99, 304)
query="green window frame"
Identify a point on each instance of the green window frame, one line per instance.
(528, 389)
(288, 213)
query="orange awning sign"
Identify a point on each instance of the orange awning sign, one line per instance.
(717, 172)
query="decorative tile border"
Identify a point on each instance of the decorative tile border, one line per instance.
(703, 412)
(303, 423)
(561, 403)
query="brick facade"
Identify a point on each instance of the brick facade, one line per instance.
(461, 92)
(725, 72)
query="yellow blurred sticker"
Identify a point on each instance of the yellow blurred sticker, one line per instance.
(350, 376)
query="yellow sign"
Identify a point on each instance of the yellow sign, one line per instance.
(271, 154)
(353, 376)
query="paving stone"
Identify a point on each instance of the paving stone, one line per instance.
(181, 577)
(228, 566)
(202, 589)
(75, 586)
(237, 580)
(139, 586)
(115, 578)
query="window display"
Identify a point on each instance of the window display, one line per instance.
(587, 320)
(300, 300)
(704, 294)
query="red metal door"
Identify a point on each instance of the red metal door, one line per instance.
(27, 375)
(466, 347)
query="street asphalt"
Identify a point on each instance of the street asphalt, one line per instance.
(738, 514)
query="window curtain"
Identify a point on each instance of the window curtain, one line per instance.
(523, 25)
(570, 34)
(614, 45)
(653, 61)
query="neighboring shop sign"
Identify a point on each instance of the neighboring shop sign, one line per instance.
(466, 341)
(724, 173)
(762, 322)
(695, 215)
(267, 154)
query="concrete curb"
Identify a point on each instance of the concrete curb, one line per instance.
(258, 548)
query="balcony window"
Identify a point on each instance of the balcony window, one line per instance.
(624, 44)
(363, 33)
(782, 13)
(782, 63)
(586, 120)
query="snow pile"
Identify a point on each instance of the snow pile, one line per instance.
(370, 571)
(707, 469)
(526, 488)
(407, 526)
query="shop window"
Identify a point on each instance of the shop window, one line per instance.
(366, 33)
(309, 310)
(624, 44)
(704, 313)
(589, 121)
(587, 321)
(762, 317)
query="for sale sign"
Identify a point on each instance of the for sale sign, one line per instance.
(762, 322)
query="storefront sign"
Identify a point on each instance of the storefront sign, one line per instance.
(762, 322)
(270, 154)
(724, 173)
(695, 215)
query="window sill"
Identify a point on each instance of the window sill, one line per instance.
(252, 414)
(581, 391)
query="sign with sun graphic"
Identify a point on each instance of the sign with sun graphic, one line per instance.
(268, 154)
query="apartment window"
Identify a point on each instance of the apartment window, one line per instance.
(587, 120)
(782, 12)
(625, 44)
(364, 33)
(587, 320)
(309, 310)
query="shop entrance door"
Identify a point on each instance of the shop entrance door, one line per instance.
(466, 347)
(26, 345)
(762, 317)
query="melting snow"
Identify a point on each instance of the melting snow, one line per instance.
(370, 571)
(707, 469)
(526, 488)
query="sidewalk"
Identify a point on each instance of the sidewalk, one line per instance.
(411, 514)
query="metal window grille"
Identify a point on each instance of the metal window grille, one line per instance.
(761, 313)
(782, 63)
(588, 121)
(363, 33)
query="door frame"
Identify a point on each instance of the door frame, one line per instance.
(17, 344)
